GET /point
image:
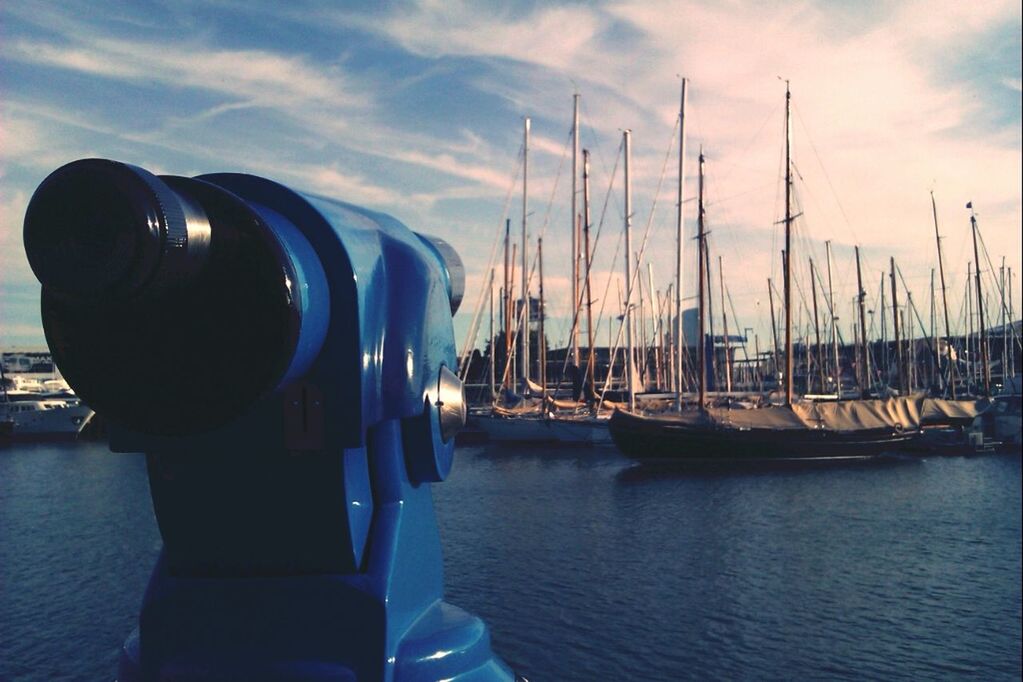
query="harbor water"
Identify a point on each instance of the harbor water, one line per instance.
(587, 567)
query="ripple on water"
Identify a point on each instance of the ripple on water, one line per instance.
(588, 568)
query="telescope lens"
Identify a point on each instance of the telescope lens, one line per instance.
(170, 286)
(98, 228)
(80, 233)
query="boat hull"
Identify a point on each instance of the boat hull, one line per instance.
(56, 423)
(665, 439)
(530, 429)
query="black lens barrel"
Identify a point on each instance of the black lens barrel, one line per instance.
(165, 287)
(97, 228)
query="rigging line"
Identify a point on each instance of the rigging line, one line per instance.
(588, 263)
(478, 311)
(596, 240)
(547, 214)
(912, 306)
(595, 149)
(731, 197)
(543, 228)
(507, 365)
(735, 319)
(777, 205)
(964, 317)
(522, 319)
(731, 241)
(603, 211)
(802, 296)
(991, 275)
(831, 311)
(554, 189)
(843, 278)
(763, 124)
(824, 170)
(642, 252)
(650, 216)
(872, 330)
(671, 146)
(806, 242)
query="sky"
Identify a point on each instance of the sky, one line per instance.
(416, 110)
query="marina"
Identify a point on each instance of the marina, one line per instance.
(804, 420)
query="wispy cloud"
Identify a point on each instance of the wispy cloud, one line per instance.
(251, 75)
(553, 37)
(393, 118)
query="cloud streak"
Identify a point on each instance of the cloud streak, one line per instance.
(429, 127)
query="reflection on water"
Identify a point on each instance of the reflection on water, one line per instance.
(589, 567)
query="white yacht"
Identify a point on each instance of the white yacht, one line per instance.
(38, 405)
(26, 416)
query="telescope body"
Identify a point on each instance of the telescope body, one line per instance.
(285, 363)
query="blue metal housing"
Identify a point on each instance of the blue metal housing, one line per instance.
(300, 541)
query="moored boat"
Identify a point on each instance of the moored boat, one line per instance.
(853, 429)
(549, 428)
(27, 419)
(700, 437)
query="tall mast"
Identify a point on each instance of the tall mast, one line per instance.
(895, 327)
(756, 353)
(541, 342)
(907, 314)
(806, 351)
(970, 344)
(724, 320)
(525, 257)
(710, 307)
(950, 366)
(817, 329)
(575, 225)
(513, 319)
(884, 334)
(701, 341)
(862, 297)
(667, 349)
(680, 242)
(1012, 329)
(655, 319)
(506, 301)
(985, 366)
(788, 245)
(834, 325)
(586, 255)
(493, 339)
(629, 352)
(856, 353)
(1005, 345)
(640, 335)
(774, 326)
(935, 377)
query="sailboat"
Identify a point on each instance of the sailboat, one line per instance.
(794, 430)
(533, 414)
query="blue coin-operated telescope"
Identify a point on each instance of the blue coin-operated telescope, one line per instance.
(283, 361)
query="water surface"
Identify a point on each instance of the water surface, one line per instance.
(587, 567)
